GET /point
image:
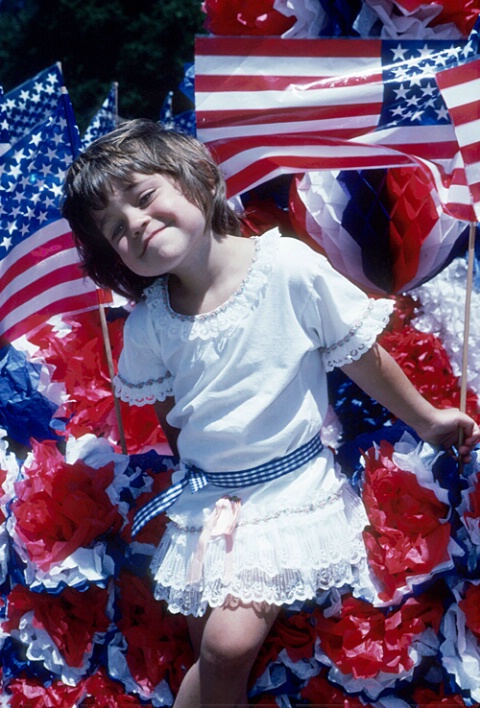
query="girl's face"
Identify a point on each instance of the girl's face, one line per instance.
(152, 226)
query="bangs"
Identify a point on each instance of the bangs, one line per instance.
(94, 184)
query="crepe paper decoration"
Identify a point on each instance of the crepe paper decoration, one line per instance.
(370, 650)
(59, 630)
(460, 650)
(157, 646)
(244, 17)
(78, 360)
(470, 606)
(462, 14)
(60, 507)
(416, 19)
(320, 690)
(383, 229)
(429, 698)
(443, 314)
(24, 411)
(426, 363)
(26, 691)
(409, 535)
(102, 692)
(469, 511)
(293, 632)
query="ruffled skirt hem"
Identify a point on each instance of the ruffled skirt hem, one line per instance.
(279, 555)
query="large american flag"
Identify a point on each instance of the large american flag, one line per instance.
(267, 106)
(460, 88)
(39, 268)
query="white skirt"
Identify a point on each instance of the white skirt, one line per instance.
(284, 541)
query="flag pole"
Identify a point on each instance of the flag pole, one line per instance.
(111, 371)
(466, 327)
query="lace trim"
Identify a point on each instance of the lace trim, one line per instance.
(361, 336)
(150, 391)
(313, 506)
(278, 562)
(235, 309)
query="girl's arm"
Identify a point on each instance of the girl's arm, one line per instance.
(378, 374)
(162, 409)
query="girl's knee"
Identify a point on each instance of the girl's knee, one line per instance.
(233, 636)
(230, 652)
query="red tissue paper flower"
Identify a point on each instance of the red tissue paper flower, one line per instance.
(158, 645)
(426, 363)
(470, 606)
(462, 14)
(62, 507)
(29, 692)
(103, 692)
(364, 641)
(407, 535)
(245, 17)
(71, 618)
(294, 633)
(320, 691)
(78, 361)
(426, 698)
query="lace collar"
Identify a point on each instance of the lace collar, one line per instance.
(222, 318)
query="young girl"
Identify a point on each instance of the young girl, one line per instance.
(230, 340)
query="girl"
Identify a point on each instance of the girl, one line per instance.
(230, 340)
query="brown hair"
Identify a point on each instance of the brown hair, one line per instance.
(138, 146)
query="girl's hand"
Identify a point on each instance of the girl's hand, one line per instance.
(452, 429)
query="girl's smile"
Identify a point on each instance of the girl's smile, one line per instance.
(152, 226)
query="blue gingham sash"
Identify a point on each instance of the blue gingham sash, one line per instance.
(197, 479)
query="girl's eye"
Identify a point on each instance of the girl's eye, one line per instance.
(117, 230)
(145, 198)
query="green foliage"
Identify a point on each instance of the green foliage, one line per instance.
(141, 44)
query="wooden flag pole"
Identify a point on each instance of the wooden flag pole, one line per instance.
(111, 372)
(466, 328)
(468, 302)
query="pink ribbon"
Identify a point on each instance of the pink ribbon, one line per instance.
(221, 522)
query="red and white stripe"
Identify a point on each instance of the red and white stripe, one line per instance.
(267, 106)
(41, 277)
(460, 88)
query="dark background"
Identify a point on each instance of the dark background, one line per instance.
(141, 44)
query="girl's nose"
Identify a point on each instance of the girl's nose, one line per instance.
(138, 222)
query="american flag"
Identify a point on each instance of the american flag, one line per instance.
(33, 101)
(267, 106)
(39, 269)
(105, 120)
(460, 88)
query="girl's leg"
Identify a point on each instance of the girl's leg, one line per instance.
(230, 641)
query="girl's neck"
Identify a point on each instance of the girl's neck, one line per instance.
(214, 279)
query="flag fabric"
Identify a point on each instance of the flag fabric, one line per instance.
(460, 88)
(33, 102)
(40, 274)
(267, 106)
(182, 120)
(104, 120)
(4, 131)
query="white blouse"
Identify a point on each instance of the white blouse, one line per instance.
(249, 378)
